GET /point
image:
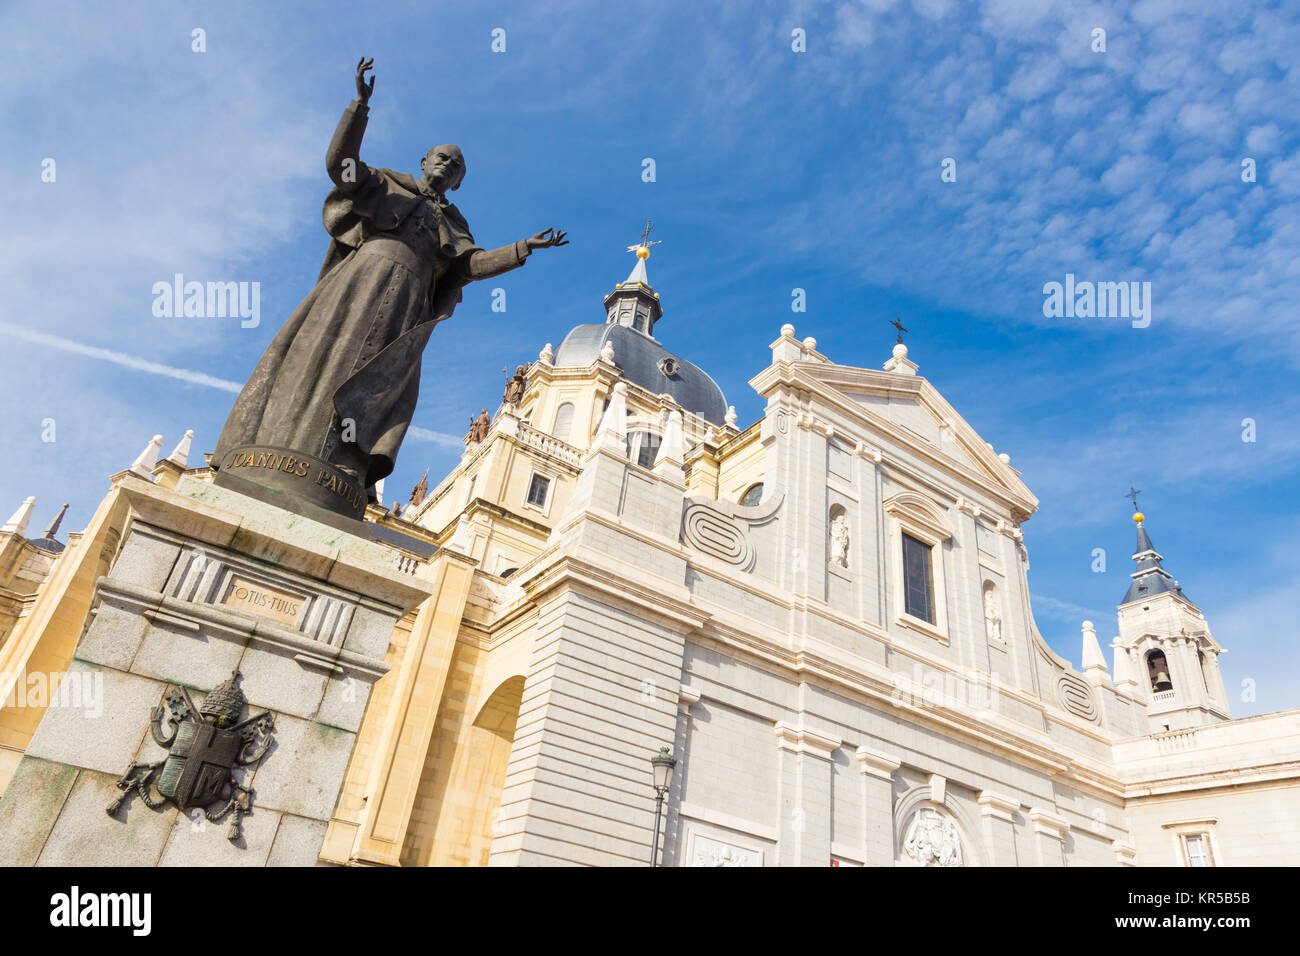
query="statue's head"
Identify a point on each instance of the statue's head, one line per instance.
(443, 168)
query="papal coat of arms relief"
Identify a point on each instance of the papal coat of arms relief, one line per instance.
(206, 744)
(932, 839)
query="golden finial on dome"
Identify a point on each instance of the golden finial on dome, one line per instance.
(642, 248)
(1139, 517)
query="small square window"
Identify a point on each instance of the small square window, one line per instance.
(538, 489)
(1196, 849)
(918, 580)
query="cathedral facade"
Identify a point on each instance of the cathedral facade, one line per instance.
(824, 617)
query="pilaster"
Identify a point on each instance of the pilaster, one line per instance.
(804, 795)
(1049, 835)
(998, 815)
(877, 770)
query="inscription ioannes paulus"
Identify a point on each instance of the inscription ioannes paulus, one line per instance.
(298, 468)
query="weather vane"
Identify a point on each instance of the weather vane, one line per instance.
(898, 324)
(646, 242)
(1133, 495)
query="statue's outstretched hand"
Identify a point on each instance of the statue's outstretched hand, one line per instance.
(546, 239)
(363, 89)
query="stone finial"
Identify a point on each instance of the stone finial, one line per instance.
(900, 363)
(730, 417)
(672, 451)
(612, 432)
(147, 460)
(1004, 458)
(18, 522)
(787, 331)
(181, 453)
(1124, 676)
(607, 353)
(547, 355)
(810, 344)
(1094, 662)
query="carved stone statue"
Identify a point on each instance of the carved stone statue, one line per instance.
(932, 839)
(479, 428)
(420, 490)
(992, 616)
(332, 396)
(840, 540)
(515, 386)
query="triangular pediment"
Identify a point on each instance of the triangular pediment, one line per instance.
(915, 411)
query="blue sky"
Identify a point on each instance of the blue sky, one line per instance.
(775, 170)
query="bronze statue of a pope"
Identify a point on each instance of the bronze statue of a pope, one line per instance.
(334, 393)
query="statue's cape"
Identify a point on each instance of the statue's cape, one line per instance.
(380, 396)
(385, 198)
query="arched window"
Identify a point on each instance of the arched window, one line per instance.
(752, 496)
(643, 447)
(1158, 672)
(563, 421)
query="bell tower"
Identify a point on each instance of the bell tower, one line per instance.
(1165, 653)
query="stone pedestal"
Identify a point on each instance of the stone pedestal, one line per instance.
(207, 581)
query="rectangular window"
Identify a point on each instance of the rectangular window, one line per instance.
(918, 580)
(537, 490)
(1196, 849)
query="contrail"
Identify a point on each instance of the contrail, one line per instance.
(121, 358)
(453, 442)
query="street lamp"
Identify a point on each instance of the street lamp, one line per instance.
(662, 765)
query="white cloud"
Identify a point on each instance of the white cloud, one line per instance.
(442, 439)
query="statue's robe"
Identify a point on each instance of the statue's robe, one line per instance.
(341, 378)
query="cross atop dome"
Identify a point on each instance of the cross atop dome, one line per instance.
(642, 249)
(633, 302)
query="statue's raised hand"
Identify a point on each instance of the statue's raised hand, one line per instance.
(546, 239)
(363, 89)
